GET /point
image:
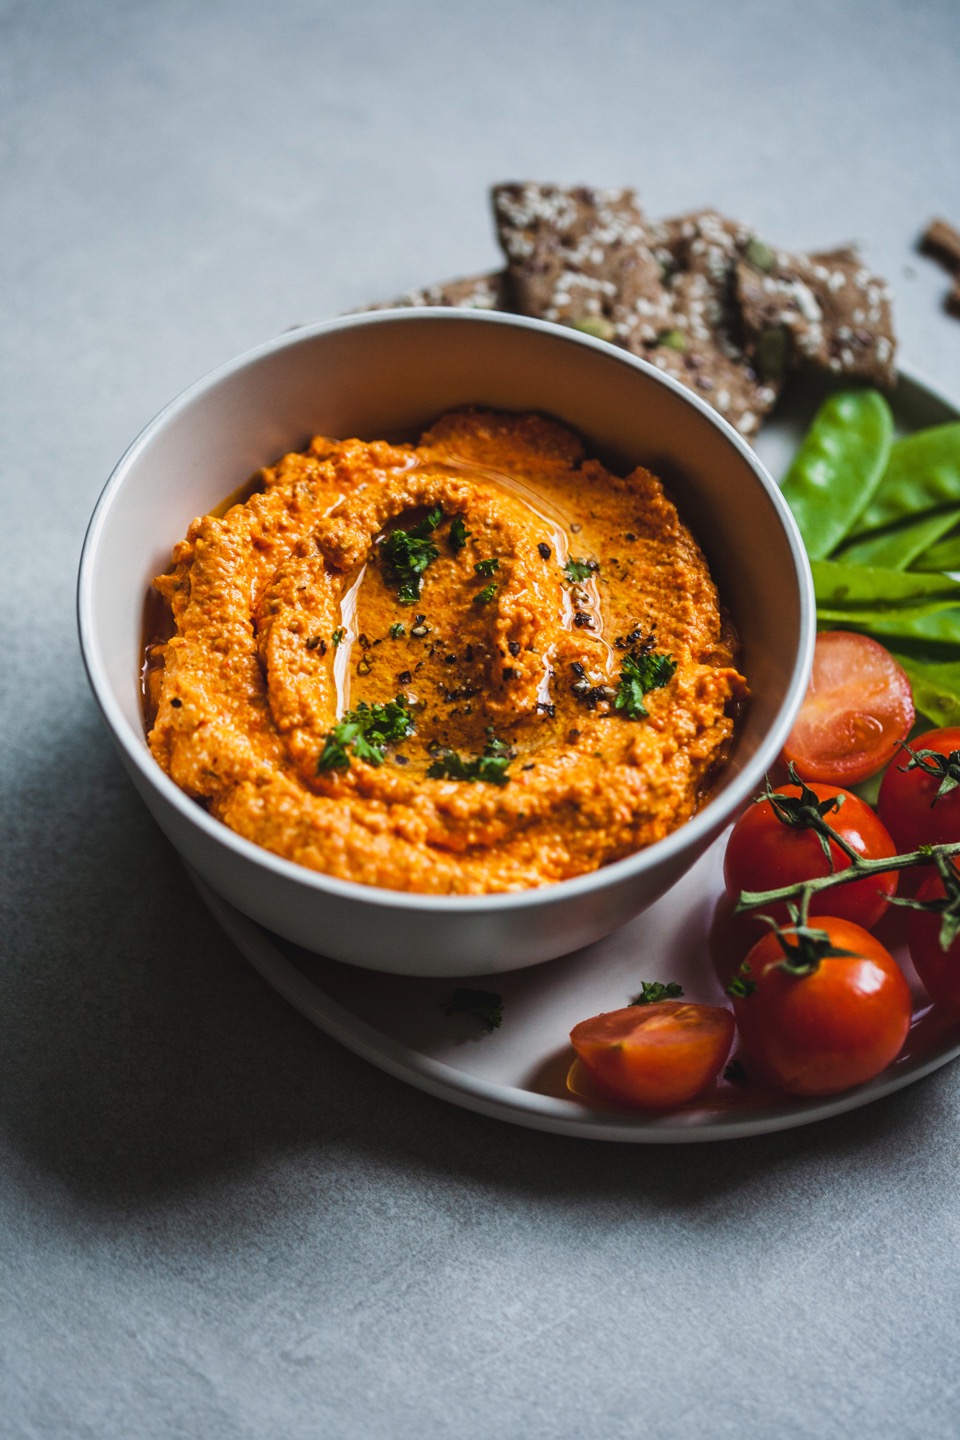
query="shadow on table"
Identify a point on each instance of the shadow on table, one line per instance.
(141, 1056)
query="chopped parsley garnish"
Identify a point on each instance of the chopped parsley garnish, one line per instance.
(459, 534)
(367, 731)
(337, 636)
(483, 1005)
(487, 567)
(490, 767)
(396, 630)
(652, 990)
(639, 674)
(408, 553)
(578, 570)
(483, 596)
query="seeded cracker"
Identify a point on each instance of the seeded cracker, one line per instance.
(698, 254)
(582, 257)
(817, 312)
(474, 292)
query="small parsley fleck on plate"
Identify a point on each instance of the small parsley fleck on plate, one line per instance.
(653, 990)
(483, 1005)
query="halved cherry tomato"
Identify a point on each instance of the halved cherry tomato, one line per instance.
(655, 1055)
(858, 706)
(939, 970)
(764, 853)
(824, 1032)
(908, 802)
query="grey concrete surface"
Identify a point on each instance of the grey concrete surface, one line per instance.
(214, 1222)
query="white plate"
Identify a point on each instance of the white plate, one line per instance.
(519, 1072)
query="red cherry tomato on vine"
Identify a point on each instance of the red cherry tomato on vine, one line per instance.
(824, 1032)
(858, 706)
(939, 969)
(908, 802)
(655, 1055)
(764, 853)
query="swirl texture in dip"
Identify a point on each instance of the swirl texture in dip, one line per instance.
(523, 748)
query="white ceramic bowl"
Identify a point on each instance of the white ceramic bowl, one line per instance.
(386, 373)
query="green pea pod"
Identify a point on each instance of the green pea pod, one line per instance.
(936, 687)
(838, 467)
(934, 637)
(923, 474)
(945, 555)
(861, 592)
(899, 547)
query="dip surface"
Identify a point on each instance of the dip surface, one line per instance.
(557, 681)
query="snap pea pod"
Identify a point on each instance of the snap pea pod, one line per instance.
(838, 467)
(933, 637)
(945, 555)
(901, 546)
(923, 473)
(865, 592)
(936, 687)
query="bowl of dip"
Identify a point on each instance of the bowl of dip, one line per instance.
(469, 634)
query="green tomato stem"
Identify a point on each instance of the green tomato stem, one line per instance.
(858, 869)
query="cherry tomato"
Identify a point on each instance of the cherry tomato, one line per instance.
(908, 801)
(655, 1055)
(858, 706)
(824, 1032)
(939, 970)
(764, 853)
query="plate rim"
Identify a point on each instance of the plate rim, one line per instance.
(527, 1108)
(510, 1103)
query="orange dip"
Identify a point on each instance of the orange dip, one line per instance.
(507, 737)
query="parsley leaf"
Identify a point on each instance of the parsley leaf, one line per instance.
(337, 636)
(396, 630)
(486, 567)
(640, 673)
(485, 1005)
(652, 990)
(490, 767)
(367, 731)
(577, 570)
(408, 553)
(486, 594)
(459, 534)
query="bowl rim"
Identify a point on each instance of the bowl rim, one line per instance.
(703, 823)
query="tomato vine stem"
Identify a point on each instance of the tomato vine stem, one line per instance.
(858, 869)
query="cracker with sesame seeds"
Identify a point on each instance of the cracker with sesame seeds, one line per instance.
(824, 312)
(702, 240)
(582, 257)
(491, 291)
(698, 254)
